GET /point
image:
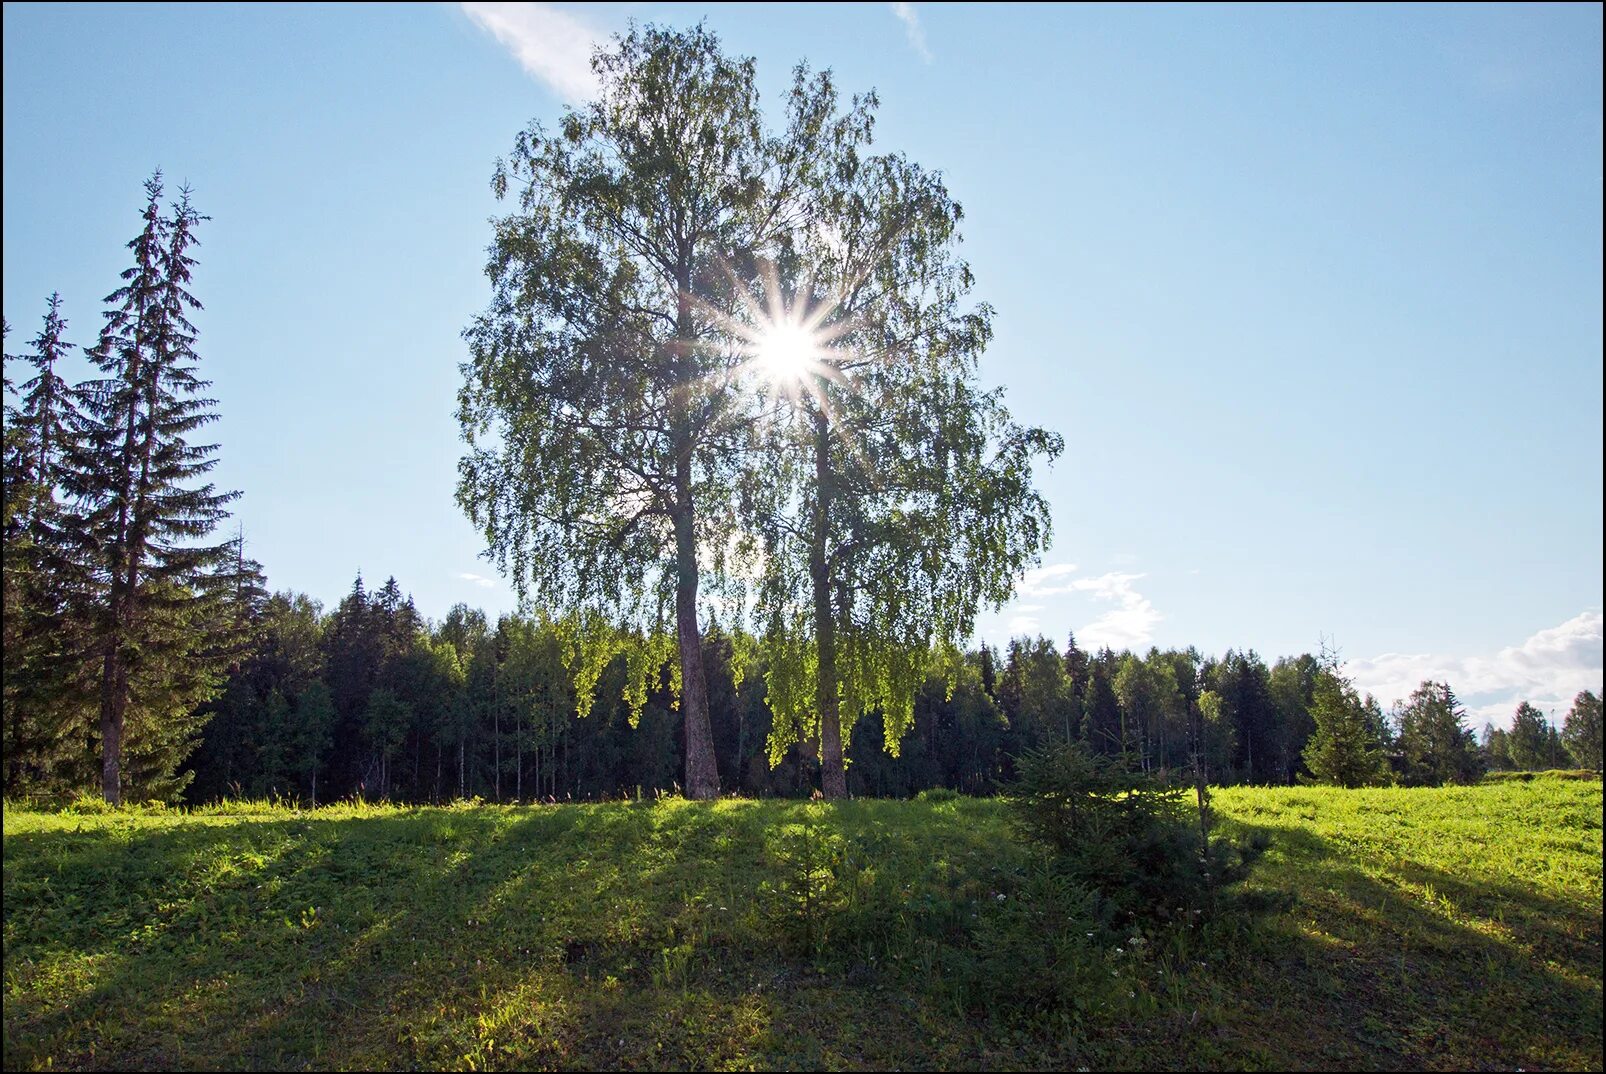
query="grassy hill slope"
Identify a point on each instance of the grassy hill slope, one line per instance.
(1448, 928)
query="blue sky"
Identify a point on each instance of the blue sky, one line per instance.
(1314, 295)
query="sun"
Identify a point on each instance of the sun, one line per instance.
(786, 351)
(790, 341)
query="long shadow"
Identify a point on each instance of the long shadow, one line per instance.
(546, 936)
(291, 945)
(402, 935)
(1402, 965)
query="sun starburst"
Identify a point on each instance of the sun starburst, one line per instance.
(790, 342)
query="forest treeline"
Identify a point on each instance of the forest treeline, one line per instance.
(371, 699)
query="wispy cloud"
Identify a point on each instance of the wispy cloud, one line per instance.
(552, 45)
(912, 29)
(1047, 581)
(478, 579)
(1055, 596)
(1130, 624)
(1548, 669)
(1024, 621)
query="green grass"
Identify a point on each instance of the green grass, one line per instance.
(1452, 928)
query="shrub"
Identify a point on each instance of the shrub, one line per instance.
(1124, 835)
(1037, 956)
(808, 892)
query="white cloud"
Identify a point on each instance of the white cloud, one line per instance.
(478, 579)
(1046, 581)
(1048, 597)
(1548, 669)
(1023, 625)
(912, 29)
(1129, 625)
(552, 45)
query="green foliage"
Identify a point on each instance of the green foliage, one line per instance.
(1121, 834)
(608, 434)
(1346, 748)
(1533, 743)
(1496, 749)
(1547, 774)
(1260, 741)
(1041, 957)
(1036, 695)
(809, 893)
(1153, 710)
(1434, 747)
(1582, 733)
(48, 691)
(1216, 734)
(900, 500)
(108, 512)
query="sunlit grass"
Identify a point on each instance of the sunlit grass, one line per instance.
(1433, 928)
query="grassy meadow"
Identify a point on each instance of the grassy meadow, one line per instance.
(1451, 928)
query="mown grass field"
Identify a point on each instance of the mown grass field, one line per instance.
(1456, 928)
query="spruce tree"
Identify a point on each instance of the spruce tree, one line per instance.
(1529, 743)
(44, 694)
(1344, 749)
(353, 651)
(1434, 746)
(147, 511)
(313, 734)
(1581, 732)
(1101, 710)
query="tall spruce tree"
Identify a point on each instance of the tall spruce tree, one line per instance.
(146, 511)
(1345, 748)
(45, 692)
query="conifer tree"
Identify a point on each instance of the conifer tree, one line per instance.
(1581, 733)
(1435, 748)
(147, 511)
(1101, 710)
(1529, 742)
(45, 693)
(1344, 749)
(314, 734)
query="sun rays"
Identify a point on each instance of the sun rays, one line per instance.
(785, 351)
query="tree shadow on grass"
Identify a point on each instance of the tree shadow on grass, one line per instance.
(1396, 964)
(259, 943)
(440, 938)
(628, 936)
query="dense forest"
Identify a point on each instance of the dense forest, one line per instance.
(371, 699)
